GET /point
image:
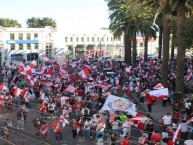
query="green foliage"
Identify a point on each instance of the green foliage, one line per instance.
(6, 22)
(40, 23)
(188, 31)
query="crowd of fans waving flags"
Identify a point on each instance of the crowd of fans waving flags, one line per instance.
(68, 76)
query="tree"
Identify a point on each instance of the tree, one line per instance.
(6, 22)
(40, 23)
(180, 6)
(150, 32)
(124, 18)
(119, 27)
(166, 45)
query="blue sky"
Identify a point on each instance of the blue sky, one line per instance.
(70, 15)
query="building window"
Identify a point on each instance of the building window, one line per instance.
(12, 36)
(50, 45)
(102, 39)
(20, 36)
(107, 39)
(12, 46)
(35, 36)
(92, 39)
(111, 38)
(29, 46)
(66, 39)
(76, 39)
(20, 46)
(140, 44)
(36, 46)
(98, 39)
(28, 37)
(71, 39)
(16, 57)
(32, 56)
(87, 39)
(82, 39)
(49, 50)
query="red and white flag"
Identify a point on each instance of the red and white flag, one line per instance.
(63, 120)
(45, 58)
(177, 133)
(3, 87)
(70, 88)
(85, 73)
(17, 92)
(21, 65)
(31, 80)
(139, 117)
(42, 95)
(26, 70)
(159, 94)
(158, 86)
(2, 101)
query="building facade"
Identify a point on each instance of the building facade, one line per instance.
(27, 40)
(104, 42)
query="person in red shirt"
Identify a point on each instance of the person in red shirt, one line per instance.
(168, 141)
(155, 137)
(77, 107)
(57, 130)
(125, 141)
(43, 109)
(149, 102)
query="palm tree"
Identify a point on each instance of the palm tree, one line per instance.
(166, 44)
(124, 18)
(150, 32)
(179, 5)
(119, 27)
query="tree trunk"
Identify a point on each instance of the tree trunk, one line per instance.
(160, 42)
(146, 48)
(172, 48)
(134, 49)
(181, 48)
(1, 76)
(166, 44)
(127, 42)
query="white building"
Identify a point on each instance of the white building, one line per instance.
(98, 42)
(104, 41)
(27, 40)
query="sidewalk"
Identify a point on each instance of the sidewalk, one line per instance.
(157, 109)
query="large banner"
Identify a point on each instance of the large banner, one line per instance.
(117, 103)
(159, 94)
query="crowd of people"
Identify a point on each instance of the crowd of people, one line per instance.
(74, 92)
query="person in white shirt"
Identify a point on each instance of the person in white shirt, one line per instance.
(100, 129)
(167, 120)
(115, 126)
(189, 142)
(127, 127)
(86, 128)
